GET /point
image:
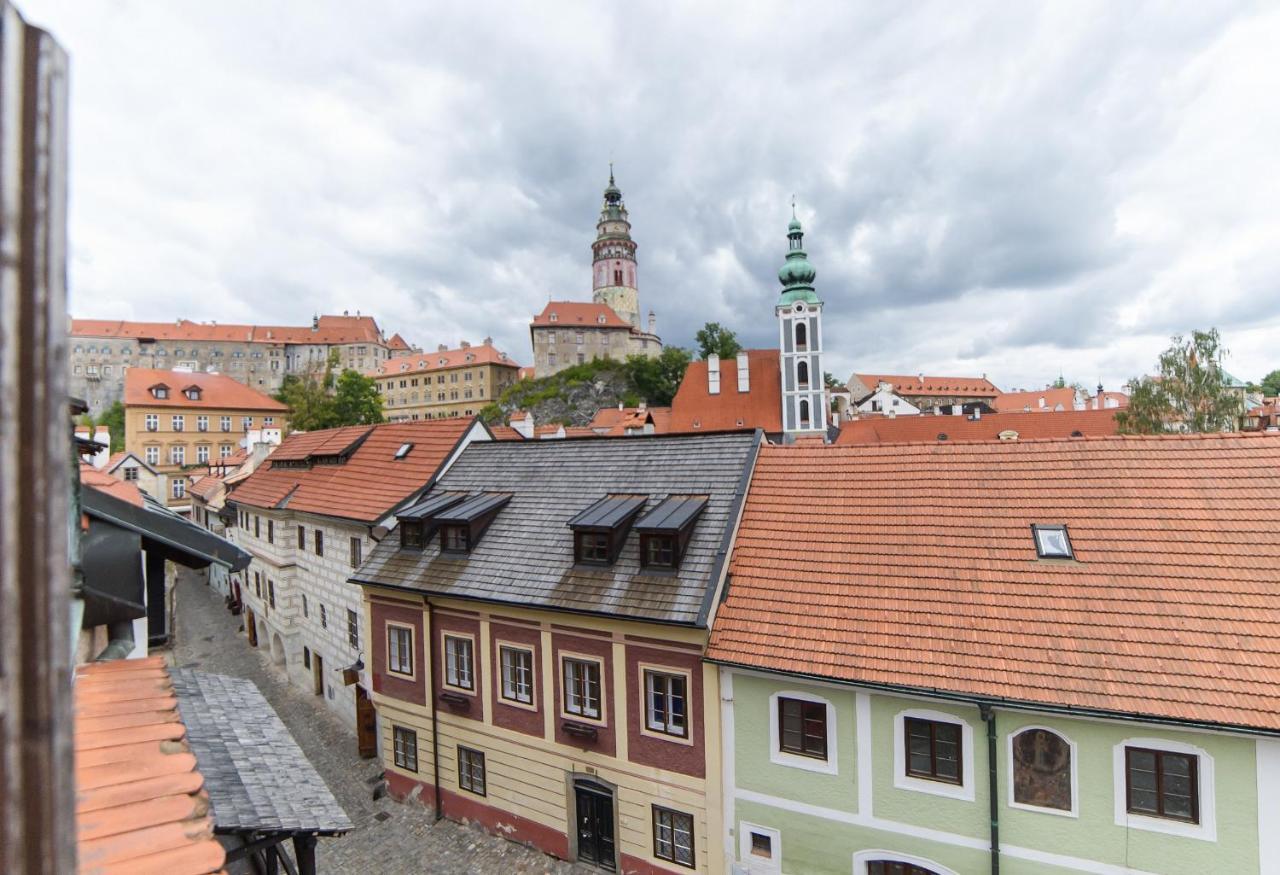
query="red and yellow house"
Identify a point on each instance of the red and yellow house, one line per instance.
(538, 622)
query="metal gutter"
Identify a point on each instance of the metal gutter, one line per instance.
(165, 527)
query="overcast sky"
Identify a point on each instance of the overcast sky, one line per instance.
(1013, 189)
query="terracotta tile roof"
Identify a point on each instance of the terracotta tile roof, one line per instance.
(526, 373)
(914, 566)
(141, 806)
(614, 421)
(1043, 400)
(92, 478)
(218, 391)
(1029, 426)
(329, 330)
(371, 481)
(576, 314)
(505, 433)
(440, 360)
(918, 385)
(696, 409)
(398, 344)
(205, 487)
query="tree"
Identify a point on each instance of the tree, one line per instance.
(321, 400)
(829, 380)
(657, 379)
(1271, 384)
(113, 419)
(715, 338)
(1190, 393)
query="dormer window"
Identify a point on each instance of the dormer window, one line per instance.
(160, 391)
(1052, 542)
(554, 318)
(412, 535)
(192, 393)
(455, 539)
(665, 531)
(465, 522)
(600, 530)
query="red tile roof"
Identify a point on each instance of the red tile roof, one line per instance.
(913, 566)
(1016, 402)
(615, 421)
(92, 478)
(483, 354)
(218, 391)
(696, 409)
(205, 486)
(398, 344)
(329, 330)
(576, 314)
(917, 385)
(505, 433)
(910, 429)
(371, 481)
(140, 802)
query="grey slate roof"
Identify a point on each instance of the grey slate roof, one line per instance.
(526, 556)
(256, 775)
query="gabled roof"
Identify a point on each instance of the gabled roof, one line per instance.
(141, 803)
(695, 409)
(123, 456)
(398, 344)
(615, 421)
(928, 428)
(579, 314)
(1043, 400)
(917, 385)
(527, 557)
(218, 392)
(369, 484)
(1168, 610)
(443, 360)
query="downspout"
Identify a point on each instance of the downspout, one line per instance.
(431, 700)
(989, 717)
(120, 642)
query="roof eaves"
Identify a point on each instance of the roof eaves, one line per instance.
(158, 523)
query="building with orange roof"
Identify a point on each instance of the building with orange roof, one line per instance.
(260, 356)
(629, 421)
(568, 333)
(993, 426)
(309, 515)
(746, 393)
(1057, 655)
(445, 383)
(929, 394)
(1051, 399)
(176, 420)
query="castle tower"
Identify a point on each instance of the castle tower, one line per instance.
(799, 312)
(614, 280)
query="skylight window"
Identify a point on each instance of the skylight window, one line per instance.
(403, 451)
(1052, 542)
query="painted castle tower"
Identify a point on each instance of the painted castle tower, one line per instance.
(799, 312)
(614, 270)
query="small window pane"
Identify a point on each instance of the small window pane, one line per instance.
(471, 772)
(406, 748)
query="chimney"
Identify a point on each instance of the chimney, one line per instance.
(713, 374)
(744, 373)
(488, 341)
(644, 405)
(620, 407)
(523, 426)
(463, 344)
(653, 323)
(444, 347)
(315, 323)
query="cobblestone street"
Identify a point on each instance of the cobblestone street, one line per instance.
(389, 837)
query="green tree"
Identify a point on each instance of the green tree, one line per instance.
(829, 380)
(356, 400)
(657, 379)
(1190, 392)
(113, 419)
(1271, 384)
(715, 338)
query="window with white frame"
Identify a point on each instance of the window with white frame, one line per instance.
(202, 453)
(225, 423)
(517, 674)
(178, 454)
(179, 422)
(202, 423)
(802, 731)
(152, 455)
(1164, 786)
(760, 848)
(582, 693)
(152, 421)
(458, 666)
(933, 753)
(399, 649)
(224, 451)
(178, 487)
(666, 702)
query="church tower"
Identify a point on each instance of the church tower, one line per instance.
(614, 281)
(799, 312)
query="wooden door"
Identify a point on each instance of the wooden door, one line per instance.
(251, 626)
(594, 805)
(317, 669)
(366, 724)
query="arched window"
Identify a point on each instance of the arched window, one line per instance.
(802, 375)
(1042, 769)
(895, 867)
(802, 335)
(804, 414)
(617, 277)
(894, 863)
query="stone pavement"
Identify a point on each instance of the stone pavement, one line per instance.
(390, 837)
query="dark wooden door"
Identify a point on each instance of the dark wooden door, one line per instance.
(595, 824)
(251, 627)
(317, 668)
(366, 724)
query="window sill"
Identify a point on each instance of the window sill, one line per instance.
(934, 788)
(1169, 826)
(808, 764)
(580, 730)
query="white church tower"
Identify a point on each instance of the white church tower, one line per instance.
(799, 312)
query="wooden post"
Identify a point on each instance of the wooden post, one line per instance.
(37, 801)
(304, 851)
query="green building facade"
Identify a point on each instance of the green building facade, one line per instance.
(849, 803)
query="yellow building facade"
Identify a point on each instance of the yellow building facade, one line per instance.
(445, 383)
